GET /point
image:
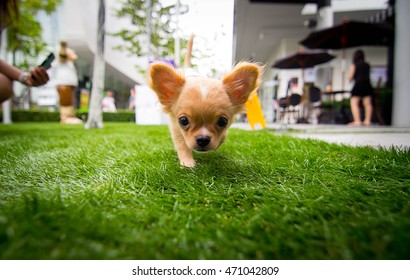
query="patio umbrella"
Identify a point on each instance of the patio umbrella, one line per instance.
(350, 34)
(303, 60)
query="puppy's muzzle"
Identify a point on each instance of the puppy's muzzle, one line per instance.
(202, 141)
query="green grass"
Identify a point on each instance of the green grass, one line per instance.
(119, 193)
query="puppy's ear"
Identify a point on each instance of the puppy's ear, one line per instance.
(243, 79)
(166, 82)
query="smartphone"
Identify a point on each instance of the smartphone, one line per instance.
(46, 64)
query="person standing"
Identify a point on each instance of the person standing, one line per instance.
(362, 89)
(131, 101)
(108, 102)
(66, 81)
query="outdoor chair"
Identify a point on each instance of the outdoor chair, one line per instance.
(315, 104)
(283, 105)
(293, 110)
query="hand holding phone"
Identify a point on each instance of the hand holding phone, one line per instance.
(38, 76)
(46, 64)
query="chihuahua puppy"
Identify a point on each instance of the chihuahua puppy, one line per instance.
(201, 109)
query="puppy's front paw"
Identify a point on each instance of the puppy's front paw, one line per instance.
(187, 162)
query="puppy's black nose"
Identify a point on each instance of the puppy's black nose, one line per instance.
(203, 141)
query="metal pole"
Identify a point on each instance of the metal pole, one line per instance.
(324, 19)
(148, 29)
(177, 45)
(6, 104)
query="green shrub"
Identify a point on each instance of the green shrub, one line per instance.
(45, 116)
(34, 116)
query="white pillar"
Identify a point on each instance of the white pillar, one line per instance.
(324, 16)
(6, 105)
(177, 45)
(7, 111)
(324, 19)
(148, 29)
(401, 82)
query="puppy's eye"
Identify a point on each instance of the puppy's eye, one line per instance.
(222, 122)
(183, 121)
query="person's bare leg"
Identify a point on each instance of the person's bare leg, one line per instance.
(354, 107)
(6, 88)
(67, 111)
(368, 110)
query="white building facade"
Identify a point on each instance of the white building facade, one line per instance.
(75, 21)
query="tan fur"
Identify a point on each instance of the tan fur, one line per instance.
(202, 102)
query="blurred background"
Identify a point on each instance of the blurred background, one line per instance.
(224, 33)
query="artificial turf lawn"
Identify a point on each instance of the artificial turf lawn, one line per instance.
(119, 193)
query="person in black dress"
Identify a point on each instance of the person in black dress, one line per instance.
(362, 89)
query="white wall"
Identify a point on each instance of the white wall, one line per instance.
(81, 32)
(80, 21)
(401, 95)
(118, 59)
(286, 48)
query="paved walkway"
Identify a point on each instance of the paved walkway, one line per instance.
(375, 136)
